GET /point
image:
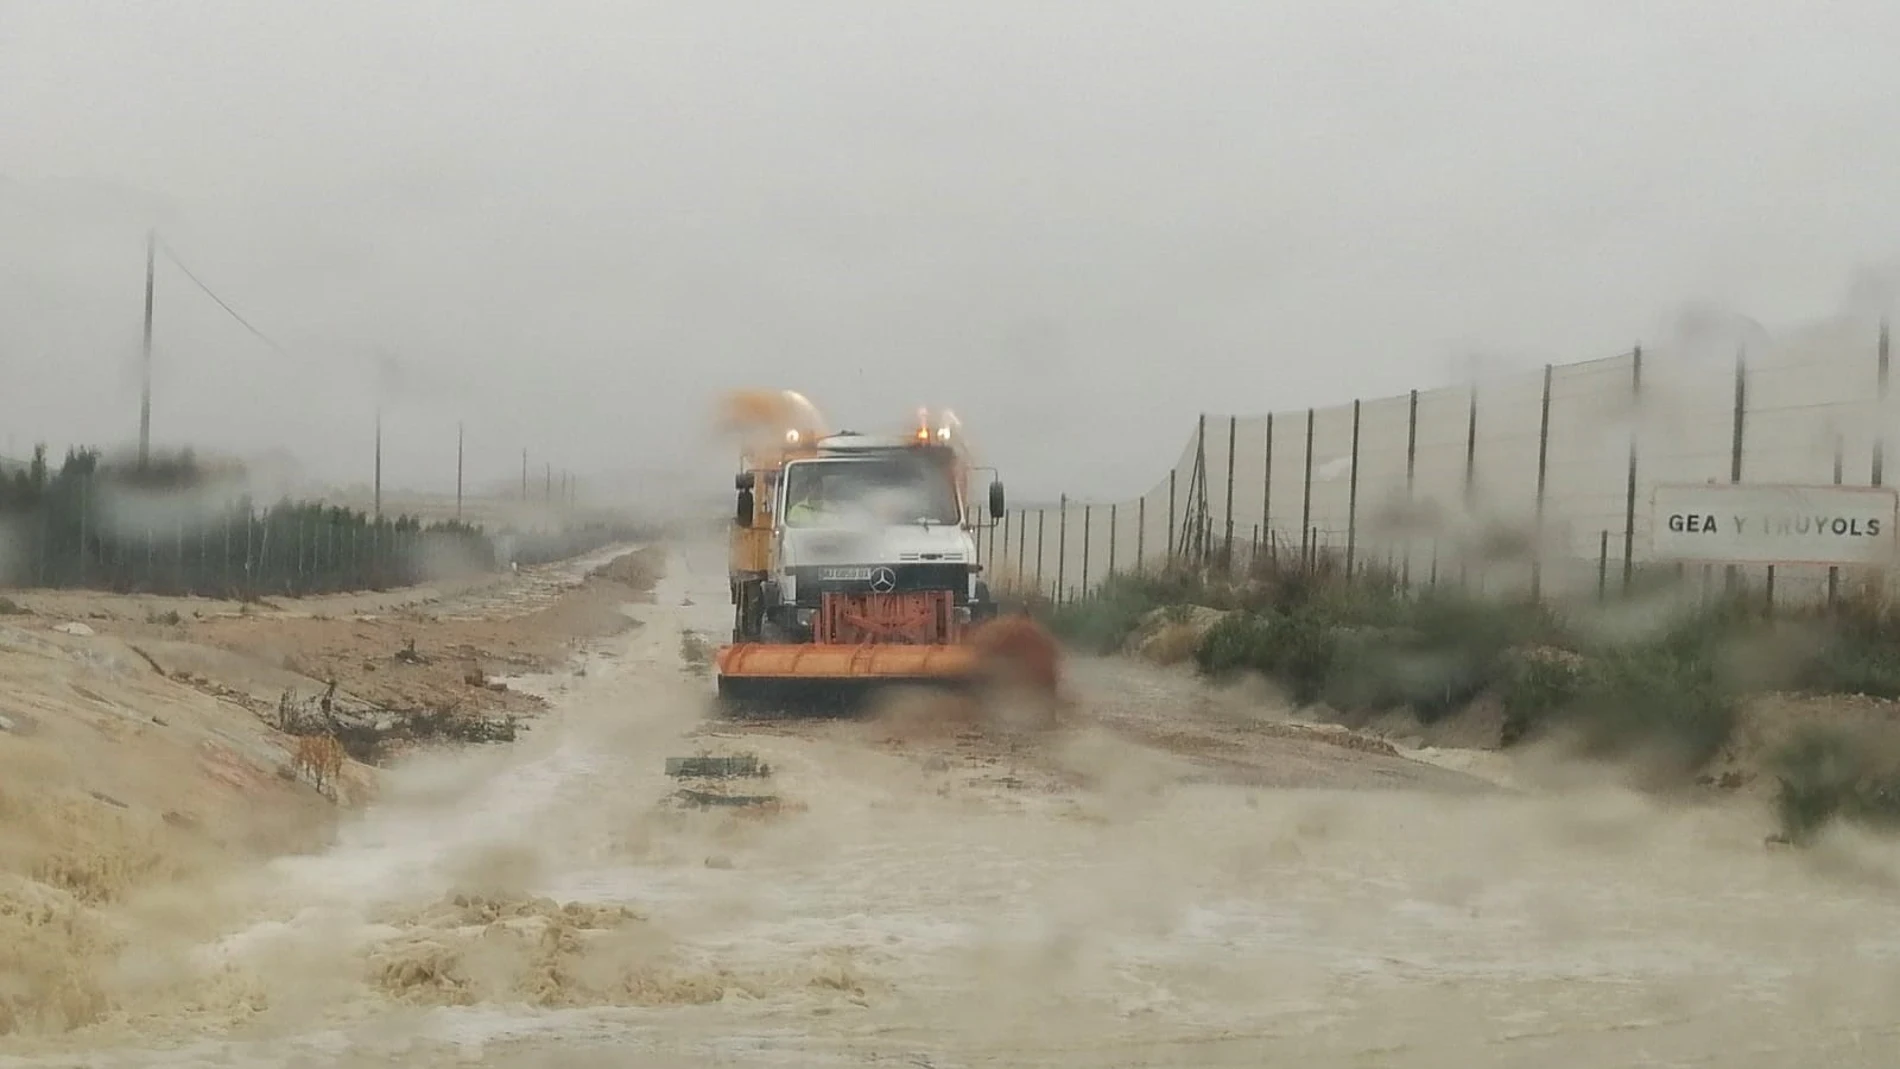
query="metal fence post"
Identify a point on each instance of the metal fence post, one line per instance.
(1411, 478)
(1266, 489)
(1141, 534)
(1834, 570)
(1881, 378)
(1731, 573)
(1171, 504)
(1042, 526)
(1352, 497)
(1062, 545)
(1203, 513)
(1603, 564)
(1022, 548)
(1087, 516)
(990, 564)
(1227, 543)
(1306, 500)
(1471, 450)
(1629, 490)
(1543, 467)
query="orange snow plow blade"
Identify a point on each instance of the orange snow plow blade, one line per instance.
(758, 660)
(1011, 650)
(802, 674)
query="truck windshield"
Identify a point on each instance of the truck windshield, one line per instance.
(881, 490)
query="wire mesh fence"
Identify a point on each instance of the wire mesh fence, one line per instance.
(1537, 483)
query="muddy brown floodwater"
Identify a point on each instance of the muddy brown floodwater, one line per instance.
(1136, 892)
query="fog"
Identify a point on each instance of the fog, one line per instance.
(571, 225)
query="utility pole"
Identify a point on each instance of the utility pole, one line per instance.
(145, 394)
(524, 475)
(547, 484)
(379, 461)
(458, 469)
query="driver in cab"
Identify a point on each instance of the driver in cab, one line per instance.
(809, 509)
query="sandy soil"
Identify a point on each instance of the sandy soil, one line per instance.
(413, 648)
(136, 760)
(1172, 877)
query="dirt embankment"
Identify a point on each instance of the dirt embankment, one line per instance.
(140, 754)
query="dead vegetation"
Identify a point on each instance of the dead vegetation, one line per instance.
(696, 652)
(374, 734)
(637, 571)
(320, 758)
(466, 950)
(708, 781)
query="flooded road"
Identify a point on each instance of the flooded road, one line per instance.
(1101, 901)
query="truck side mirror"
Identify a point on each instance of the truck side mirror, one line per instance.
(744, 516)
(996, 499)
(744, 480)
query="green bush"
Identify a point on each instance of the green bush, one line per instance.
(1103, 622)
(1859, 652)
(1823, 775)
(1302, 652)
(1368, 646)
(1463, 644)
(1537, 687)
(1369, 649)
(1296, 648)
(1671, 697)
(1234, 644)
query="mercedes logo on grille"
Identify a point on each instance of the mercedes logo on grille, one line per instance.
(883, 580)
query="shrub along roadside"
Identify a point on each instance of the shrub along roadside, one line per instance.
(1104, 622)
(1824, 775)
(1674, 694)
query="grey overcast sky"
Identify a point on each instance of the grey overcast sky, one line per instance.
(1077, 224)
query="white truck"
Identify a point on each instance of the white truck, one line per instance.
(853, 558)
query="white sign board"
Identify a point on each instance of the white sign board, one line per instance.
(1739, 523)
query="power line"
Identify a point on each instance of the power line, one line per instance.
(222, 303)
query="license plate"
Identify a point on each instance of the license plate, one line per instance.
(845, 574)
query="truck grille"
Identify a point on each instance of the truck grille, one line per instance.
(954, 577)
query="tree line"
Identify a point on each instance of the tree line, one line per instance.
(176, 525)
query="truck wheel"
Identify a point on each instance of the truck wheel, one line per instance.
(749, 615)
(982, 606)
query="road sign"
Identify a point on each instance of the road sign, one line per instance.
(1744, 523)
